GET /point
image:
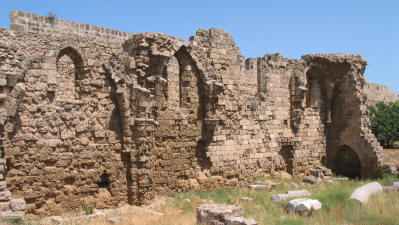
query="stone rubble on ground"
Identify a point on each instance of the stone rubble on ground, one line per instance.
(289, 194)
(219, 214)
(117, 220)
(263, 186)
(303, 206)
(311, 179)
(396, 186)
(246, 199)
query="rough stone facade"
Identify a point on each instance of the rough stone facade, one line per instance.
(92, 116)
(379, 93)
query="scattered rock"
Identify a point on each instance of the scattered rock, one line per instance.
(303, 206)
(330, 181)
(289, 194)
(116, 220)
(388, 189)
(11, 215)
(99, 213)
(294, 185)
(263, 186)
(240, 221)
(311, 179)
(245, 199)
(59, 220)
(340, 179)
(320, 172)
(362, 193)
(217, 214)
(396, 186)
(283, 175)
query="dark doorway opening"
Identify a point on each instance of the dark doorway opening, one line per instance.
(287, 153)
(347, 163)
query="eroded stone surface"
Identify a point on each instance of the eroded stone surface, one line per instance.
(289, 194)
(217, 214)
(93, 116)
(303, 206)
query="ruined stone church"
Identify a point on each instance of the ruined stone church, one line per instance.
(94, 116)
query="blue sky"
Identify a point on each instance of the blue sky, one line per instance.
(293, 28)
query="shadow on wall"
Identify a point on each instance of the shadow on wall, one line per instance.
(347, 163)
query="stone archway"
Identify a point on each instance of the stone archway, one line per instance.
(347, 162)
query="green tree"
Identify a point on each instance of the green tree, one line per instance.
(384, 120)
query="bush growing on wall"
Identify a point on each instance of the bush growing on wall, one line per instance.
(385, 122)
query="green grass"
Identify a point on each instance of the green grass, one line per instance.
(382, 208)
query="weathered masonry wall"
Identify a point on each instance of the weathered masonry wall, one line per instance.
(24, 21)
(94, 120)
(379, 93)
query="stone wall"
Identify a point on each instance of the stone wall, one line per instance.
(25, 21)
(379, 93)
(101, 121)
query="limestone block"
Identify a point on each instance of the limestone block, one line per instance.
(207, 213)
(289, 194)
(5, 195)
(311, 179)
(303, 206)
(3, 185)
(240, 221)
(11, 215)
(5, 206)
(17, 204)
(262, 186)
(362, 193)
(116, 220)
(59, 220)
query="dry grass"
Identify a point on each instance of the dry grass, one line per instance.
(179, 209)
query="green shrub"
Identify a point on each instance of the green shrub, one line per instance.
(384, 120)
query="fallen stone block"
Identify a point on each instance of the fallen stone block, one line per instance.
(209, 212)
(340, 178)
(11, 215)
(240, 221)
(218, 214)
(279, 197)
(59, 220)
(303, 206)
(311, 179)
(289, 194)
(245, 199)
(263, 186)
(116, 220)
(396, 186)
(388, 189)
(362, 193)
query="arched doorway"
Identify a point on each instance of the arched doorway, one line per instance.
(347, 163)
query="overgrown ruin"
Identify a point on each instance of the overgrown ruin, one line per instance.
(94, 116)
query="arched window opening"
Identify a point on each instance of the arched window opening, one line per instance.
(69, 68)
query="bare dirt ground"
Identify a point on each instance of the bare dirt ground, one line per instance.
(391, 156)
